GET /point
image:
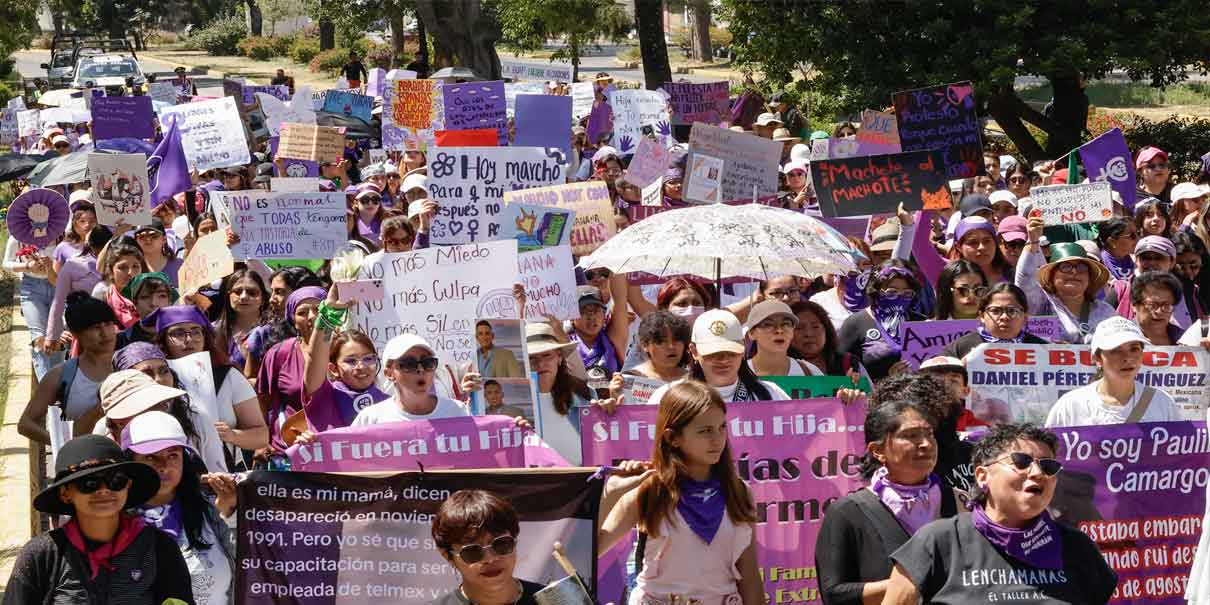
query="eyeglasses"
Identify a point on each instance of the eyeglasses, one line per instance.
(474, 553)
(398, 242)
(1073, 267)
(115, 481)
(788, 293)
(892, 292)
(370, 200)
(1009, 312)
(412, 365)
(977, 291)
(369, 361)
(1155, 307)
(770, 324)
(593, 275)
(185, 335)
(1158, 166)
(1022, 461)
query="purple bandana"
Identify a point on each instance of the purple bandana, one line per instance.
(601, 353)
(296, 297)
(854, 291)
(166, 317)
(913, 505)
(1119, 268)
(1038, 546)
(167, 518)
(136, 352)
(890, 312)
(349, 402)
(703, 505)
(987, 336)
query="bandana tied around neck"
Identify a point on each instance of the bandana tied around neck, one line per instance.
(702, 504)
(913, 505)
(1037, 545)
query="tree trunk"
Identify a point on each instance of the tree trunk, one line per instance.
(397, 33)
(650, 25)
(1069, 111)
(701, 31)
(1003, 105)
(253, 18)
(327, 34)
(422, 39)
(464, 32)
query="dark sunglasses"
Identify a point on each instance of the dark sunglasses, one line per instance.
(115, 482)
(474, 553)
(978, 291)
(411, 364)
(601, 273)
(1022, 461)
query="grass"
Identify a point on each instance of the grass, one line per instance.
(1131, 94)
(8, 285)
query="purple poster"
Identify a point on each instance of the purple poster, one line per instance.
(943, 118)
(115, 117)
(542, 121)
(279, 91)
(709, 102)
(477, 105)
(926, 339)
(1107, 158)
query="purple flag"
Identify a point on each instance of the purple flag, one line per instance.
(544, 121)
(167, 168)
(1107, 158)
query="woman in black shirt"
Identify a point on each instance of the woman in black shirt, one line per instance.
(1003, 312)
(476, 531)
(875, 335)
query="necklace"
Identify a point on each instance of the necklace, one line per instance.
(516, 584)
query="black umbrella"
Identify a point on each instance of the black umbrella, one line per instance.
(16, 165)
(355, 128)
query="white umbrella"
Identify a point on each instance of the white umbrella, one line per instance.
(56, 98)
(719, 241)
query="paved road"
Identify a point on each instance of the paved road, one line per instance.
(28, 66)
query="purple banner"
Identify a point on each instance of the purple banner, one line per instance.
(1139, 491)
(479, 105)
(943, 118)
(797, 457)
(279, 91)
(925, 339)
(543, 121)
(467, 442)
(116, 117)
(709, 103)
(1107, 158)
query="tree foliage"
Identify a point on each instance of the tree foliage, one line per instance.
(20, 18)
(861, 51)
(528, 24)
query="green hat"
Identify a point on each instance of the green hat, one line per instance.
(136, 283)
(818, 134)
(1070, 251)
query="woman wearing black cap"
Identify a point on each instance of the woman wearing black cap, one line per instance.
(101, 555)
(158, 254)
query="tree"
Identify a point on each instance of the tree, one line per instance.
(527, 25)
(650, 23)
(252, 16)
(700, 37)
(465, 31)
(274, 11)
(21, 25)
(862, 51)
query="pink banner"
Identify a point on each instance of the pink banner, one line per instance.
(462, 443)
(797, 457)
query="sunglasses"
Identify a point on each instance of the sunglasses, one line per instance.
(368, 201)
(114, 482)
(977, 291)
(474, 553)
(411, 364)
(1022, 462)
(602, 274)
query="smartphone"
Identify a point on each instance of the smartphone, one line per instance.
(361, 290)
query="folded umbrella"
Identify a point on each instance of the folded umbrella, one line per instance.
(16, 165)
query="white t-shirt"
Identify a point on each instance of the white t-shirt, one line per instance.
(1083, 407)
(389, 411)
(837, 312)
(557, 430)
(796, 368)
(210, 570)
(727, 393)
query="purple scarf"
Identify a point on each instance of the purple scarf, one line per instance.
(166, 518)
(913, 505)
(1037, 546)
(1119, 268)
(890, 314)
(601, 353)
(854, 291)
(703, 505)
(987, 337)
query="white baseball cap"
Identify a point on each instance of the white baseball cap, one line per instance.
(1116, 331)
(1003, 195)
(717, 331)
(1187, 191)
(415, 181)
(152, 432)
(403, 343)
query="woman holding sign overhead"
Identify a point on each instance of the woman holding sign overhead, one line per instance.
(1067, 286)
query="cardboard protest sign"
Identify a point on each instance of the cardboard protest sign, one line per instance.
(1020, 382)
(927, 339)
(709, 102)
(212, 133)
(943, 118)
(544, 121)
(637, 390)
(1107, 158)
(210, 260)
(285, 225)
(749, 161)
(485, 137)
(115, 117)
(476, 106)
(471, 183)
(286, 184)
(549, 278)
(796, 457)
(879, 128)
(367, 541)
(812, 387)
(163, 92)
(536, 227)
(1068, 204)
(121, 190)
(346, 103)
(438, 293)
(638, 113)
(311, 142)
(559, 72)
(704, 179)
(648, 164)
(878, 184)
(590, 200)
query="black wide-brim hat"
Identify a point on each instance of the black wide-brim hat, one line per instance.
(88, 455)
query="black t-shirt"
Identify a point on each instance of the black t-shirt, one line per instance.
(859, 335)
(353, 70)
(949, 561)
(454, 597)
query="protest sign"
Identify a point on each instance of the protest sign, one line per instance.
(163, 92)
(1107, 158)
(704, 179)
(28, 123)
(514, 397)
(653, 194)
(471, 183)
(375, 81)
(749, 161)
(835, 149)
(559, 72)
(549, 278)
(648, 164)
(115, 117)
(797, 457)
(278, 112)
(286, 225)
(300, 168)
(120, 188)
(485, 137)
(637, 390)
(581, 99)
(210, 260)
(298, 184)
(346, 103)
(879, 128)
(278, 91)
(709, 102)
(476, 106)
(590, 200)
(637, 113)
(416, 111)
(811, 387)
(926, 339)
(512, 90)
(943, 118)
(328, 539)
(196, 373)
(8, 127)
(1021, 382)
(212, 133)
(544, 121)
(536, 227)
(438, 293)
(878, 184)
(311, 142)
(1139, 491)
(491, 442)
(17, 102)
(1067, 204)
(377, 156)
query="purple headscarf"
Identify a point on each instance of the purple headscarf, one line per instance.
(166, 317)
(296, 297)
(134, 353)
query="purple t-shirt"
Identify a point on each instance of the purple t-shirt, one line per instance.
(66, 250)
(335, 405)
(282, 376)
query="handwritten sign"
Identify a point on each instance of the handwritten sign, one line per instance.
(748, 160)
(311, 142)
(210, 260)
(1067, 204)
(634, 110)
(285, 225)
(879, 128)
(120, 188)
(943, 118)
(709, 102)
(927, 339)
(470, 183)
(549, 278)
(476, 105)
(439, 293)
(114, 117)
(544, 121)
(590, 200)
(415, 112)
(163, 92)
(212, 133)
(348, 103)
(560, 72)
(581, 99)
(29, 122)
(878, 184)
(536, 227)
(705, 180)
(648, 164)
(8, 127)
